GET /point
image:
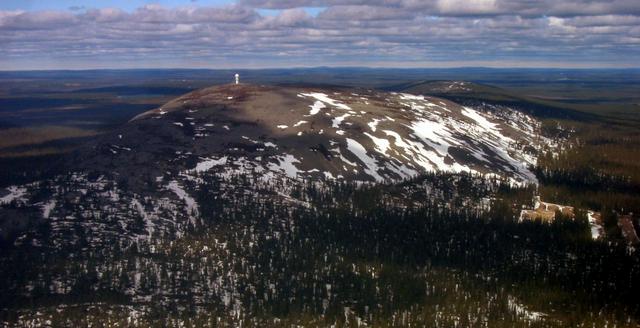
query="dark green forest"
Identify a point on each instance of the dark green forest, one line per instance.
(367, 259)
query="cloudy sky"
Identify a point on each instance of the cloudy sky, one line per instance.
(80, 34)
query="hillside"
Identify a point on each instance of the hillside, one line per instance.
(315, 206)
(314, 133)
(151, 172)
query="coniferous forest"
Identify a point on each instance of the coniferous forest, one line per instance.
(383, 256)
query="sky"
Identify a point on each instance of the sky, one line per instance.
(82, 34)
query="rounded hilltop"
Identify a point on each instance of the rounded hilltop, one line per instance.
(326, 133)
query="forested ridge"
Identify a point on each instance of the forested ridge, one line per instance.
(382, 256)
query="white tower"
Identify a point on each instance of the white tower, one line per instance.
(237, 78)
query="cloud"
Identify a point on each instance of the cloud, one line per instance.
(287, 18)
(18, 20)
(354, 32)
(365, 13)
(473, 7)
(104, 15)
(466, 7)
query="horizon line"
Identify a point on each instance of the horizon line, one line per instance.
(321, 67)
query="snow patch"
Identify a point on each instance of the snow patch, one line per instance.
(372, 166)
(382, 145)
(47, 208)
(335, 123)
(374, 124)
(192, 206)
(316, 107)
(208, 164)
(286, 165)
(521, 311)
(15, 193)
(478, 118)
(325, 99)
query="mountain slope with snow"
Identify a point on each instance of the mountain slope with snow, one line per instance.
(233, 201)
(147, 179)
(321, 133)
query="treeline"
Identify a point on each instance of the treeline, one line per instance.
(22, 170)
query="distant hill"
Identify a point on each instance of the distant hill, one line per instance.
(472, 94)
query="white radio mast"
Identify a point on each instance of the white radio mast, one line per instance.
(237, 78)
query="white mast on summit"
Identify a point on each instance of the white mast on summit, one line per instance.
(237, 78)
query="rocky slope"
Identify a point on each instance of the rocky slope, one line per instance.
(318, 133)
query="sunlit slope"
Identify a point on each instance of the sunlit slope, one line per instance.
(324, 133)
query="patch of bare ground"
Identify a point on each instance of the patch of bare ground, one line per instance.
(17, 142)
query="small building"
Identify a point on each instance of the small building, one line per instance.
(546, 212)
(533, 215)
(625, 223)
(567, 211)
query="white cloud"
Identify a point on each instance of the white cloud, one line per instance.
(467, 6)
(354, 31)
